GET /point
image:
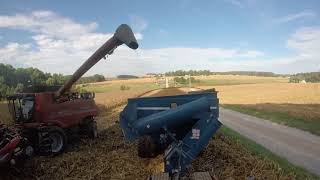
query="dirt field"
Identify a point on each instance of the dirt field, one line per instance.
(110, 157)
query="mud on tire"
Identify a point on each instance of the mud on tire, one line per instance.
(89, 128)
(58, 140)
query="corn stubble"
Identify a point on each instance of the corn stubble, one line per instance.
(110, 157)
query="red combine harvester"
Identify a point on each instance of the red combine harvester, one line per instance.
(43, 119)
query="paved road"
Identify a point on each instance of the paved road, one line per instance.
(299, 147)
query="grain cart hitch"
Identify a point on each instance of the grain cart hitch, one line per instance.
(178, 126)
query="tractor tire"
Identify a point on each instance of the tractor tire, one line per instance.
(92, 129)
(146, 147)
(58, 140)
(89, 128)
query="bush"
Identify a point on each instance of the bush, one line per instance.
(124, 87)
(185, 81)
(312, 77)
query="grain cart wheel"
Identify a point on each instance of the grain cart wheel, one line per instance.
(58, 140)
(146, 147)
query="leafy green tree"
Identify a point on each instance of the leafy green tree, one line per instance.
(19, 88)
(312, 77)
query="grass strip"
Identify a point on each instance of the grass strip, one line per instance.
(278, 117)
(262, 152)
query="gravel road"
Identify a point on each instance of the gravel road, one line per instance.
(297, 146)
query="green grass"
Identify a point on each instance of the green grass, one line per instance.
(262, 152)
(312, 126)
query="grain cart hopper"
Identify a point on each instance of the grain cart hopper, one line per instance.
(180, 126)
(44, 118)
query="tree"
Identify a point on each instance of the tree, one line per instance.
(19, 88)
(56, 79)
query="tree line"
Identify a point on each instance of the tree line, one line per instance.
(208, 72)
(14, 80)
(308, 77)
(127, 76)
(185, 80)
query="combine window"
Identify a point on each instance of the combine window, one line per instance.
(21, 108)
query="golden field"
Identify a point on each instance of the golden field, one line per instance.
(269, 93)
(110, 157)
(280, 96)
(223, 80)
(243, 78)
(295, 105)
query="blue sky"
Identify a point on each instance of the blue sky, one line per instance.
(219, 35)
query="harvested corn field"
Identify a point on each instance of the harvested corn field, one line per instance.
(110, 157)
(278, 93)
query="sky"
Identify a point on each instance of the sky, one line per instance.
(217, 35)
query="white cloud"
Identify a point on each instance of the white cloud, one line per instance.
(47, 22)
(296, 16)
(12, 52)
(237, 3)
(138, 23)
(59, 42)
(56, 51)
(306, 41)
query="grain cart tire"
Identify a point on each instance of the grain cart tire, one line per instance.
(58, 140)
(146, 147)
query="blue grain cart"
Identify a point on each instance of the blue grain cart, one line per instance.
(178, 126)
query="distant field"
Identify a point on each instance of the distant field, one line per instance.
(269, 93)
(295, 105)
(115, 85)
(216, 80)
(108, 93)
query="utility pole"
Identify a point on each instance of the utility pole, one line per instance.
(167, 82)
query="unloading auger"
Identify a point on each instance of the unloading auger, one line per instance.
(178, 126)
